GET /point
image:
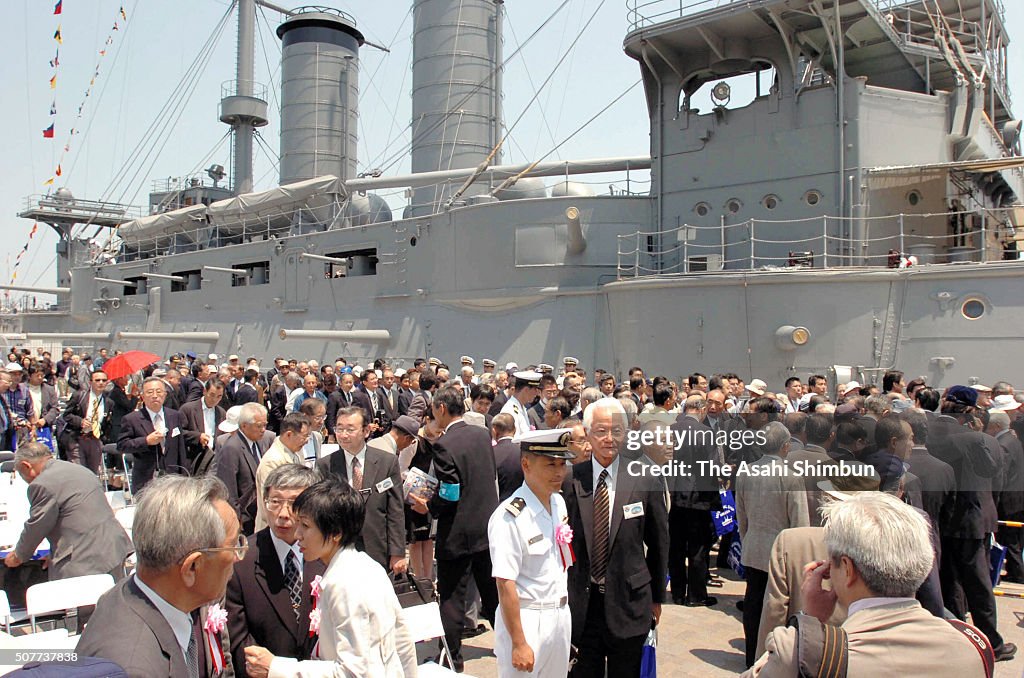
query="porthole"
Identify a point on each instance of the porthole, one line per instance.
(770, 202)
(914, 197)
(972, 309)
(733, 206)
(702, 209)
(812, 197)
(412, 241)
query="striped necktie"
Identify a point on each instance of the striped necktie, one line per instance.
(600, 564)
(293, 581)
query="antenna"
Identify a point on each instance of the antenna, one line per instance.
(216, 172)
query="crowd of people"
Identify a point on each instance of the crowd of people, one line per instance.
(277, 501)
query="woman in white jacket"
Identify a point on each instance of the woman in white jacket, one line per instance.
(362, 633)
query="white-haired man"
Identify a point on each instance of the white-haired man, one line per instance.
(238, 458)
(879, 552)
(187, 541)
(620, 538)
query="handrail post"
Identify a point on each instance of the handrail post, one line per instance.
(902, 248)
(751, 234)
(824, 240)
(636, 259)
(983, 243)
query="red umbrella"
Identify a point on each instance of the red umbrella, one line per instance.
(129, 362)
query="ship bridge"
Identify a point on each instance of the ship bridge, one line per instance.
(919, 46)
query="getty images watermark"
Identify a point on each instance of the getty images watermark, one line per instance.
(734, 441)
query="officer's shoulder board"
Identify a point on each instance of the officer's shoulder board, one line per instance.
(516, 506)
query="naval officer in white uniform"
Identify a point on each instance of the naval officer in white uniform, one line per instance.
(531, 552)
(525, 390)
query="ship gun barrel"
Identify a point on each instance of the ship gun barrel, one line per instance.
(170, 336)
(502, 172)
(321, 257)
(99, 336)
(577, 243)
(38, 290)
(367, 336)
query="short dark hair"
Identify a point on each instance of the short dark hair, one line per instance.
(452, 399)
(818, 428)
(294, 422)
(715, 383)
(428, 378)
(309, 406)
(813, 380)
(662, 393)
(351, 411)
(918, 425)
(791, 380)
(694, 379)
(485, 391)
(635, 382)
(795, 422)
(335, 508)
(890, 379)
(850, 432)
(197, 367)
(888, 428)
(366, 375)
(212, 384)
(927, 399)
(560, 404)
(547, 380)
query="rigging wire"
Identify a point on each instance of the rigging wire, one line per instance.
(371, 80)
(533, 87)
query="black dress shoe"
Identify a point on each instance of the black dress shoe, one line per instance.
(707, 602)
(679, 601)
(1005, 652)
(473, 633)
(739, 605)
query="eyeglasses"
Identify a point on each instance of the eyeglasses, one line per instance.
(99, 381)
(239, 549)
(276, 505)
(616, 432)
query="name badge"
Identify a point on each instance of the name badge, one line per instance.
(632, 510)
(534, 540)
(175, 432)
(384, 485)
(450, 491)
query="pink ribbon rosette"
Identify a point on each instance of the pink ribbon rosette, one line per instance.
(563, 537)
(216, 620)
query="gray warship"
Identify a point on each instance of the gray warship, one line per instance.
(861, 212)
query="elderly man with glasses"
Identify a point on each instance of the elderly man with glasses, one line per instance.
(187, 541)
(268, 599)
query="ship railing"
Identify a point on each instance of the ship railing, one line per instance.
(824, 242)
(245, 88)
(643, 13)
(81, 208)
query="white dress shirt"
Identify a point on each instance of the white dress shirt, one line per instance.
(362, 461)
(209, 422)
(283, 548)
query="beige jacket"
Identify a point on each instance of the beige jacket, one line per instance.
(897, 639)
(767, 505)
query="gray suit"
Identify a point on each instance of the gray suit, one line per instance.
(234, 464)
(68, 508)
(128, 629)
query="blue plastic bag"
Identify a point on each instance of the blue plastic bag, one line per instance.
(996, 557)
(649, 658)
(725, 520)
(45, 436)
(735, 553)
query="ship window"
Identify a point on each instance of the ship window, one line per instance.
(190, 280)
(702, 209)
(256, 273)
(360, 262)
(812, 197)
(770, 202)
(733, 206)
(137, 287)
(914, 197)
(972, 309)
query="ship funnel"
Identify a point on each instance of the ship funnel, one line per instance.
(456, 91)
(319, 94)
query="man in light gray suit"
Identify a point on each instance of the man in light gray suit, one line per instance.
(187, 542)
(67, 507)
(769, 499)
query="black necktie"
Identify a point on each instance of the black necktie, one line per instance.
(293, 581)
(255, 452)
(600, 564)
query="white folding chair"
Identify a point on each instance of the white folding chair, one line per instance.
(65, 594)
(424, 623)
(5, 611)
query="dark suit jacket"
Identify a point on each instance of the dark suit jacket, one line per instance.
(500, 398)
(259, 605)
(127, 629)
(536, 416)
(383, 533)
(1011, 498)
(510, 470)
(194, 426)
(336, 401)
(696, 490)
(121, 405)
(234, 464)
(169, 457)
(938, 485)
(973, 465)
(67, 507)
(194, 390)
(634, 579)
(246, 393)
(403, 401)
(78, 409)
(463, 457)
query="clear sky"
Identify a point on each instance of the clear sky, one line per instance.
(152, 50)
